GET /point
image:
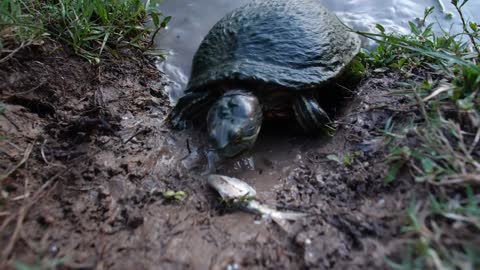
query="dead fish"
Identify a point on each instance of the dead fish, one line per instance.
(273, 213)
(231, 188)
(237, 191)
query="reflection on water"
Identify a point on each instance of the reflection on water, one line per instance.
(193, 19)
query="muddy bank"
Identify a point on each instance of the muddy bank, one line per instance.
(85, 159)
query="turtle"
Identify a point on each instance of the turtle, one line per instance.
(266, 58)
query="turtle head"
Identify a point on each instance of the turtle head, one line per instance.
(233, 123)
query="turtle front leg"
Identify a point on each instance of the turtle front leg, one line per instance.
(189, 108)
(310, 116)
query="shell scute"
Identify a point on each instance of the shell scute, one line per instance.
(296, 45)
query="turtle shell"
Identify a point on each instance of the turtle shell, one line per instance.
(294, 44)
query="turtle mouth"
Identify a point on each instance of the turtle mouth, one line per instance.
(233, 149)
(239, 146)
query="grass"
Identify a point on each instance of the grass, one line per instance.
(440, 149)
(2, 110)
(41, 264)
(90, 28)
(174, 195)
(345, 160)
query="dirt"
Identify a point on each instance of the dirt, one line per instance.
(88, 158)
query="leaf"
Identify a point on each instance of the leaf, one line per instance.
(392, 172)
(414, 28)
(473, 26)
(358, 69)
(335, 158)
(168, 194)
(22, 266)
(440, 89)
(381, 70)
(428, 165)
(165, 21)
(2, 107)
(428, 11)
(416, 47)
(466, 104)
(464, 2)
(180, 195)
(105, 39)
(155, 19)
(389, 124)
(348, 160)
(428, 30)
(380, 27)
(177, 195)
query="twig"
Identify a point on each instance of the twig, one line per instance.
(29, 90)
(463, 179)
(26, 194)
(140, 131)
(42, 152)
(10, 55)
(26, 154)
(13, 145)
(422, 106)
(442, 88)
(475, 123)
(188, 147)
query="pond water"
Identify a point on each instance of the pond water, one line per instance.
(191, 21)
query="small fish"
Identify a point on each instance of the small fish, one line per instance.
(233, 189)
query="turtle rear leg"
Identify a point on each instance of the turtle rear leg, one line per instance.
(189, 108)
(308, 113)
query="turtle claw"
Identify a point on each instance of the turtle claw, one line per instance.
(310, 116)
(187, 109)
(176, 121)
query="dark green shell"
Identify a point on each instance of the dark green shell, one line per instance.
(295, 44)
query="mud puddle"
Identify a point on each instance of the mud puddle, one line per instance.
(272, 158)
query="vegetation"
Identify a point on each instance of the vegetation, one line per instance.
(440, 149)
(41, 264)
(90, 28)
(175, 195)
(2, 107)
(346, 160)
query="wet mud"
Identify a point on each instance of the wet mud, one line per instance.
(86, 159)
